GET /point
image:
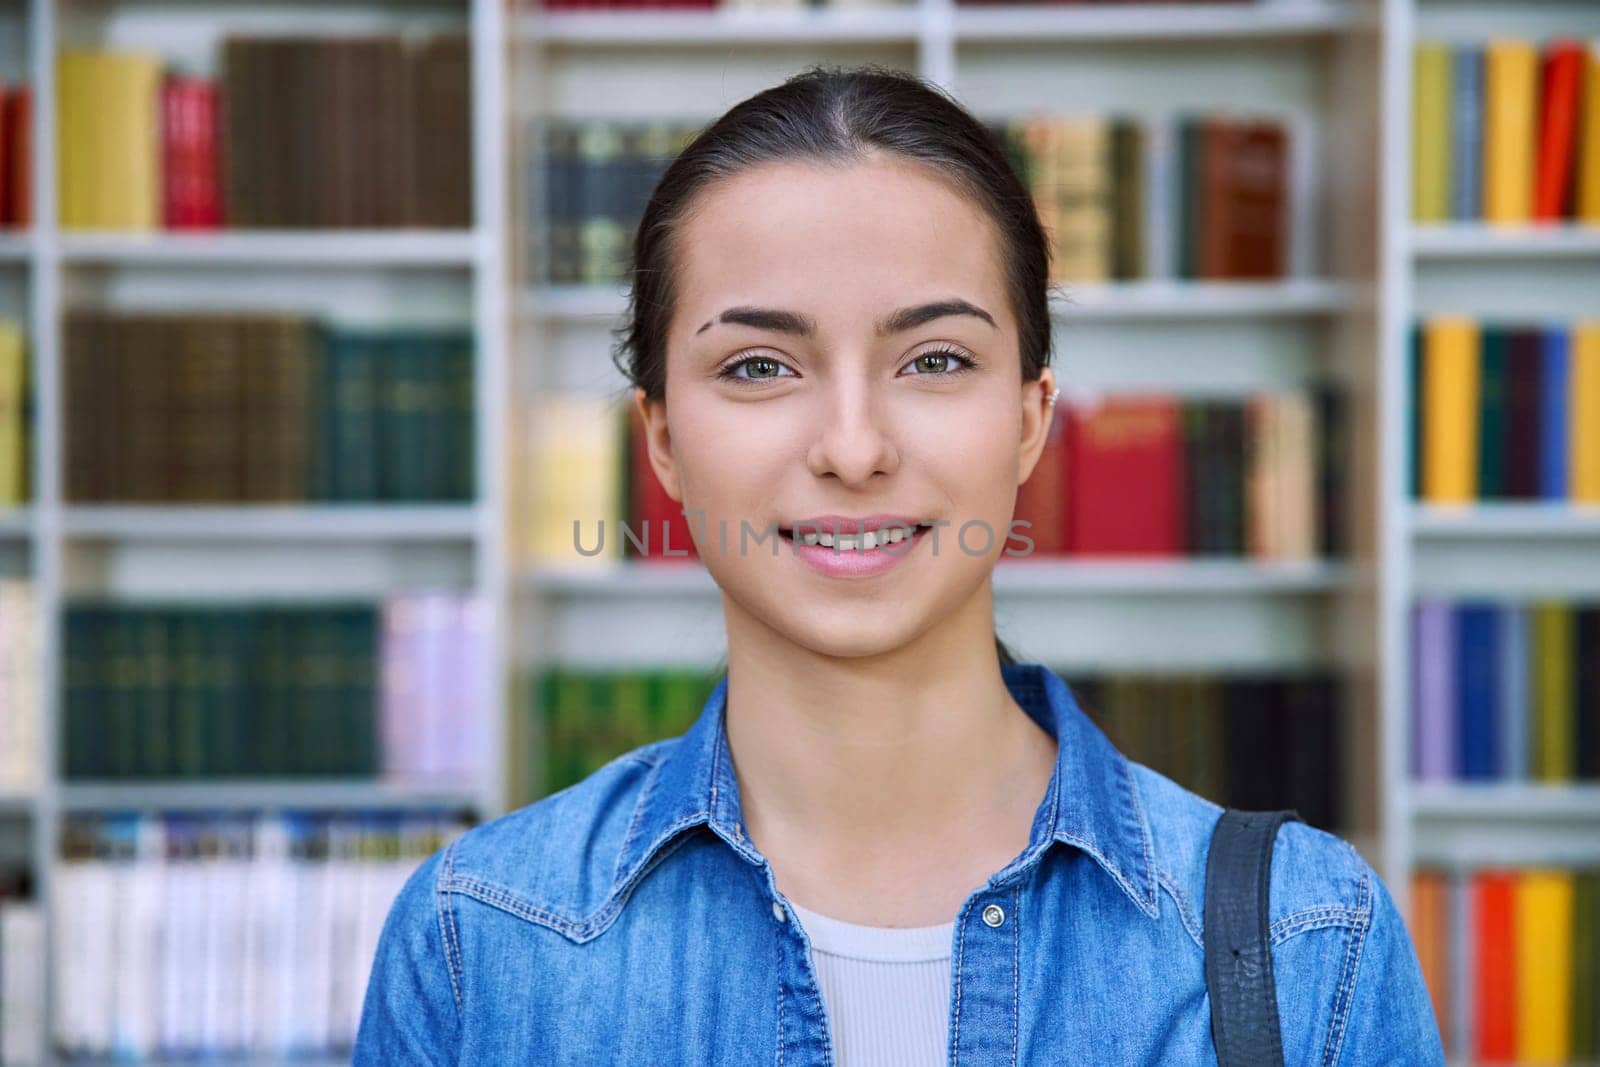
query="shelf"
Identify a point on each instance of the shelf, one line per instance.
(177, 522)
(1554, 521)
(1177, 299)
(1183, 22)
(16, 804)
(15, 247)
(308, 794)
(1012, 580)
(1498, 824)
(305, 247)
(16, 523)
(1131, 300)
(718, 27)
(1579, 801)
(1481, 241)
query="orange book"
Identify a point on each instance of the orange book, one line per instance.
(1544, 966)
(1494, 921)
(1584, 423)
(1508, 138)
(1588, 196)
(1430, 933)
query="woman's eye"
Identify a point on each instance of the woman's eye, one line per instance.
(943, 361)
(762, 368)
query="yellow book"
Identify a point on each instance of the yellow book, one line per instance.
(1587, 198)
(576, 475)
(13, 398)
(1430, 134)
(133, 82)
(1552, 741)
(1583, 420)
(1451, 381)
(1510, 118)
(109, 156)
(1083, 199)
(1544, 965)
(75, 143)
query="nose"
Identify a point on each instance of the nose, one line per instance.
(853, 440)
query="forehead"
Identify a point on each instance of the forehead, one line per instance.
(829, 238)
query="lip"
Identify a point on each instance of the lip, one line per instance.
(833, 562)
(851, 524)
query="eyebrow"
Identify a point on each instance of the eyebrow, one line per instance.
(907, 318)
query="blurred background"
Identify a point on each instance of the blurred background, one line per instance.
(305, 316)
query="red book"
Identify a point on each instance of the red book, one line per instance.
(654, 514)
(5, 155)
(190, 160)
(1127, 467)
(1494, 919)
(1558, 129)
(16, 184)
(1042, 499)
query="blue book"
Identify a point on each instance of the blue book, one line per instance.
(1513, 702)
(1477, 688)
(1466, 120)
(1553, 389)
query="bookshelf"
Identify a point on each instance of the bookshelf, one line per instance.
(257, 553)
(1361, 272)
(1496, 550)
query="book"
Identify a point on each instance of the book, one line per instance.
(1497, 983)
(15, 407)
(1559, 102)
(1543, 938)
(1587, 197)
(1451, 382)
(1584, 459)
(1466, 134)
(1432, 98)
(1127, 470)
(1511, 94)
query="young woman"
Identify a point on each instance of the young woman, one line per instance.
(883, 841)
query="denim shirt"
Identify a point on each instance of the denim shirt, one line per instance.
(629, 919)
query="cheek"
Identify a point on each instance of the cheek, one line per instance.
(731, 458)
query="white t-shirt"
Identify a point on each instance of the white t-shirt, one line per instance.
(886, 990)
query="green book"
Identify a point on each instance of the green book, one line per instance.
(270, 725)
(123, 679)
(152, 715)
(359, 626)
(81, 696)
(1552, 742)
(188, 756)
(1492, 415)
(1585, 1014)
(1414, 409)
(1188, 196)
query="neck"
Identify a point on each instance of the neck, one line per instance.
(858, 774)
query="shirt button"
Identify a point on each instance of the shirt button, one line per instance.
(994, 915)
(777, 912)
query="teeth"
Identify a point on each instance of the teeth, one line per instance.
(864, 542)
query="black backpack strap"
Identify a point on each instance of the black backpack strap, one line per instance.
(1238, 948)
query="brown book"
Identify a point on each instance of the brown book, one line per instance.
(241, 165)
(1213, 204)
(440, 188)
(336, 198)
(276, 409)
(1128, 200)
(1257, 194)
(206, 410)
(89, 386)
(143, 461)
(392, 84)
(1083, 195)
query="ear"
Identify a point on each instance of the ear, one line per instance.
(658, 440)
(1037, 416)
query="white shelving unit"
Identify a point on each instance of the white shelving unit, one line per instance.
(257, 551)
(1531, 273)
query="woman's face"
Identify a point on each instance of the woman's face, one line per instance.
(792, 393)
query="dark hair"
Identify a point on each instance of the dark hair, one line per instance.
(834, 114)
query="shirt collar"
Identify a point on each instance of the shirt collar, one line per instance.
(1091, 802)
